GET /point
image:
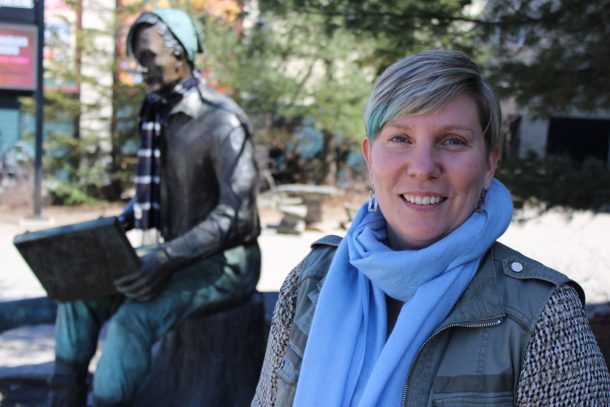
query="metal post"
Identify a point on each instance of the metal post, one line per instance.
(39, 96)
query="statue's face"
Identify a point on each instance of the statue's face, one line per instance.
(162, 67)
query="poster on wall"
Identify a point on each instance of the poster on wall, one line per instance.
(18, 57)
(21, 11)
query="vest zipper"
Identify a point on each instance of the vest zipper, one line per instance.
(498, 321)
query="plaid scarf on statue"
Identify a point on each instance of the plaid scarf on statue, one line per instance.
(148, 174)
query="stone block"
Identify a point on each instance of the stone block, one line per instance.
(209, 360)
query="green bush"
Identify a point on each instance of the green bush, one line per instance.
(70, 195)
(556, 181)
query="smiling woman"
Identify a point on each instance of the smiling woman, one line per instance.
(419, 305)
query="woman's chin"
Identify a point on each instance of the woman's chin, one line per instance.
(414, 239)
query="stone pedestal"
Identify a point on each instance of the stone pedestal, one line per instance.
(210, 360)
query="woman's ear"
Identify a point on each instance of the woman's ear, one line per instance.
(366, 151)
(367, 145)
(492, 163)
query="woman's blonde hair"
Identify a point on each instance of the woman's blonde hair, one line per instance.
(425, 82)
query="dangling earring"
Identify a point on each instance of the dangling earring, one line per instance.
(372, 201)
(481, 204)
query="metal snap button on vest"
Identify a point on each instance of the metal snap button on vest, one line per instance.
(516, 266)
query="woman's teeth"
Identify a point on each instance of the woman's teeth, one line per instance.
(422, 200)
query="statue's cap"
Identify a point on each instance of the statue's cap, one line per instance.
(179, 23)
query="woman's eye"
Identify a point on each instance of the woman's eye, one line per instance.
(399, 138)
(454, 141)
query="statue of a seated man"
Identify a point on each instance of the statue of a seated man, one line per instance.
(196, 183)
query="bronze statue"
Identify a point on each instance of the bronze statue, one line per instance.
(196, 183)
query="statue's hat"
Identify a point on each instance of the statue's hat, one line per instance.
(179, 23)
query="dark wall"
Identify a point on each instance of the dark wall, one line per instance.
(579, 138)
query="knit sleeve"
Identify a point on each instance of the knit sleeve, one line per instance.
(563, 365)
(279, 333)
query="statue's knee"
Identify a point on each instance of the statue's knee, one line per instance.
(126, 323)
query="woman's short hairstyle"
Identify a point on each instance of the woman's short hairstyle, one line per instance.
(425, 82)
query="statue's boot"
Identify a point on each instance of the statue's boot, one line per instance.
(68, 385)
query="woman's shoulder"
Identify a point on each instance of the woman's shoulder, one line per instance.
(316, 263)
(525, 285)
(518, 269)
(308, 275)
(520, 266)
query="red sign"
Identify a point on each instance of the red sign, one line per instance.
(18, 57)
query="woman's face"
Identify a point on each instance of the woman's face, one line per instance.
(428, 172)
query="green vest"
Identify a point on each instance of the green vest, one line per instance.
(475, 356)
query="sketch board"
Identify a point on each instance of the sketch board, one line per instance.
(81, 260)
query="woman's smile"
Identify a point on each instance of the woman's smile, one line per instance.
(423, 199)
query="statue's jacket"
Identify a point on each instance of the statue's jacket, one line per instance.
(208, 178)
(517, 335)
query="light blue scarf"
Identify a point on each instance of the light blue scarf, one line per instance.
(347, 360)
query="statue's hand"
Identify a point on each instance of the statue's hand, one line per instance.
(146, 283)
(125, 221)
(126, 218)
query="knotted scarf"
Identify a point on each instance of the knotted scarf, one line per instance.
(153, 113)
(349, 360)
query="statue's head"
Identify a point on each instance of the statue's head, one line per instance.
(164, 42)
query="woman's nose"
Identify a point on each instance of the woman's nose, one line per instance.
(423, 163)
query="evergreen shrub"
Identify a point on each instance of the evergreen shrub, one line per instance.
(557, 181)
